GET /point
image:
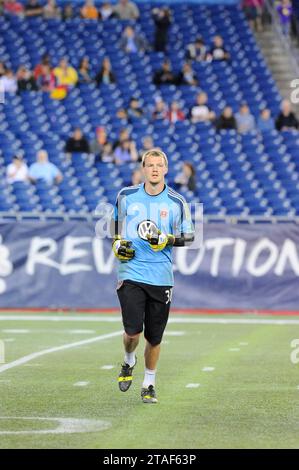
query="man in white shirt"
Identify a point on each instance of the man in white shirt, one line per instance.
(126, 10)
(17, 170)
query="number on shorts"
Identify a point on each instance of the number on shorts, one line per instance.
(168, 292)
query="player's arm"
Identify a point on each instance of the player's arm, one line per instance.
(122, 248)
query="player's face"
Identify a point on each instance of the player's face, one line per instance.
(154, 169)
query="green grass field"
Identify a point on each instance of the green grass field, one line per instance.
(250, 399)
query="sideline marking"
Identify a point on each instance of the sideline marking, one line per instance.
(192, 385)
(81, 332)
(208, 369)
(16, 331)
(65, 425)
(81, 384)
(30, 357)
(174, 333)
(234, 349)
(108, 367)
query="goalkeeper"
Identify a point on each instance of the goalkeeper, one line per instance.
(149, 218)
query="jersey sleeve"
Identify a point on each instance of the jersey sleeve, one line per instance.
(183, 220)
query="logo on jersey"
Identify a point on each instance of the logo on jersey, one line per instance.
(146, 227)
(163, 214)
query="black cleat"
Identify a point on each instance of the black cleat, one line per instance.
(125, 376)
(148, 395)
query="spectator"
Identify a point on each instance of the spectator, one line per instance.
(245, 120)
(253, 10)
(187, 76)
(77, 143)
(97, 145)
(89, 11)
(105, 74)
(13, 8)
(17, 170)
(197, 51)
(126, 10)
(162, 21)
(285, 11)
(125, 152)
(265, 121)
(160, 110)
(46, 80)
(8, 82)
(286, 119)
(165, 76)
(33, 8)
(65, 74)
(106, 11)
(226, 120)
(200, 111)
(123, 135)
(122, 114)
(147, 144)
(67, 12)
(44, 170)
(38, 70)
(131, 42)
(174, 113)
(26, 81)
(51, 10)
(218, 51)
(2, 69)
(107, 155)
(186, 179)
(135, 110)
(137, 177)
(84, 71)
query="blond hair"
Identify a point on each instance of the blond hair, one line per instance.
(155, 152)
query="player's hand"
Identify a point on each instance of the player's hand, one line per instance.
(158, 241)
(122, 249)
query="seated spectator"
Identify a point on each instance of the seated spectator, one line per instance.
(122, 114)
(65, 74)
(33, 8)
(187, 76)
(44, 170)
(125, 152)
(106, 11)
(165, 76)
(162, 20)
(126, 10)
(226, 120)
(38, 70)
(67, 12)
(160, 110)
(245, 120)
(13, 8)
(135, 110)
(17, 170)
(89, 11)
(26, 81)
(2, 69)
(174, 113)
(77, 143)
(137, 177)
(197, 51)
(122, 136)
(51, 10)
(147, 144)
(285, 11)
(132, 42)
(105, 74)
(8, 82)
(286, 119)
(265, 121)
(97, 145)
(200, 111)
(46, 80)
(253, 10)
(186, 179)
(107, 155)
(84, 71)
(218, 51)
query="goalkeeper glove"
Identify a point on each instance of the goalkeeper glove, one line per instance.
(122, 249)
(158, 241)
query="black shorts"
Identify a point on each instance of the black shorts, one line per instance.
(144, 304)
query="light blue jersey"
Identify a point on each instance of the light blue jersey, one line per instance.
(136, 213)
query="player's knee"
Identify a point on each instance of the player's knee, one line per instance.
(153, 340)
(132, 335)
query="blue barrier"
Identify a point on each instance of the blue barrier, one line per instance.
(63, 265)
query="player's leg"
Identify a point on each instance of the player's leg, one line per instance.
(132, 300)
(156, 317)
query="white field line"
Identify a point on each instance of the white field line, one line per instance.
(178, 320)
(108, 367)
(16, 331)
(81, 384)
(30, 357)
(192, 385)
